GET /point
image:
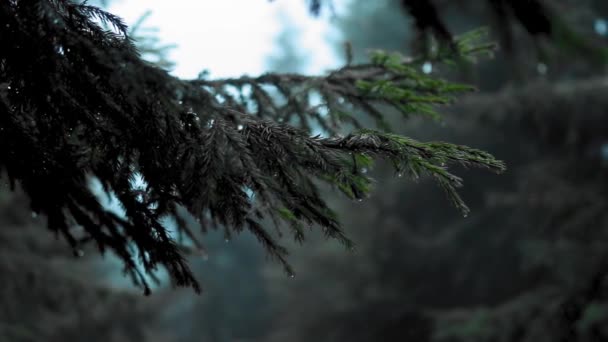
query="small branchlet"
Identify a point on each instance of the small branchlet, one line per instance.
(331, 102)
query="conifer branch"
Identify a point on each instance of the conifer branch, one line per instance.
(77, 102)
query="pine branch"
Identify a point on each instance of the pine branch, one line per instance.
(77, 102)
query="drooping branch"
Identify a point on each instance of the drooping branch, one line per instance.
(77, 102)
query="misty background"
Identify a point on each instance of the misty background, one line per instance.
(528, 264)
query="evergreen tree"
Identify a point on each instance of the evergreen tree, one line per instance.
(77, 102)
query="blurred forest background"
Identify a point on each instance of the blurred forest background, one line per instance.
(528, 264)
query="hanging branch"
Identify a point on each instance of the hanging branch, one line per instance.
(77, 102)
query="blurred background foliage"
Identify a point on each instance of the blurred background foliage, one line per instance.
(528, 264)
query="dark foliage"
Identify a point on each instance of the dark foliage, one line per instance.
(533, 15)
(427, 19)
(540, 19)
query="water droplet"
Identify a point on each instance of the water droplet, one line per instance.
(55, 21)
(400, 175)
(427, 67)
(79, 253)
(181, 102)
(541, 68)
(364, 170)
(34, 214)
(292, 275)
(226, 240)
(239, 127)
(465, 215)
(600, 26)
(359, 199)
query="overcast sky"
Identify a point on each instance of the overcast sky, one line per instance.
(229, 37)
